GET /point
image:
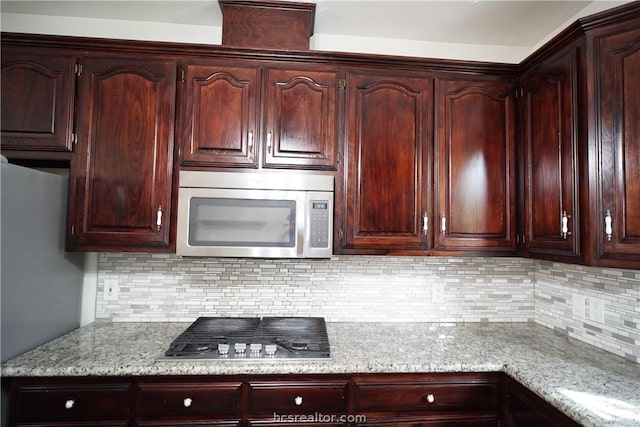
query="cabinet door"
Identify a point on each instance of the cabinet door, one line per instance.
(549, 107)
(218, 116)
(474, 166)
(37, 100)
(388, 134)
(121, 178)
(617, 95)
(300, 119)
(528, 410)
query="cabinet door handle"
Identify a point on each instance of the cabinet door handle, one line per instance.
(187, 402)
(564, 222)
(69, 403)
(430, 398)
(159, 218)
(251, 141)
(298, 400)
(608, 225)
(269, 136)
(443, 224)
(425, 223)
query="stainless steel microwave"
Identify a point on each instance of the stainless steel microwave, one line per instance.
(255, 214)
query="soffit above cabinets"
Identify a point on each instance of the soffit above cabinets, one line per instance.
(513, 24)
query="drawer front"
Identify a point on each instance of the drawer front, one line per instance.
(295, 424)
(193, 423)
(188, 399)
(76, 424)
(426, 397)
(80, 402)
(303, 398)
(445, 422)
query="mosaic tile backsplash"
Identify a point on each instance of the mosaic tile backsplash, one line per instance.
(556, 288)
(160, 287)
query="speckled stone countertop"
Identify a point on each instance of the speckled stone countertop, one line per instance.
(591, 386)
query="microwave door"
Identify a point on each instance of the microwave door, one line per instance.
(238, 223)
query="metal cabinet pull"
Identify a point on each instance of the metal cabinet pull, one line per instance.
(269, 136)
(608, 225)
(187, 402)
(298, 400)
(159, 218)
(430, 398)
(69, 404)
(425, 223)
(443, 224)
(251, 141)
(564, 225)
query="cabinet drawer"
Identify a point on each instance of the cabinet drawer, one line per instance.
(297, 398)
(188, 399)
(192, 423)
(477, 421)
(426, 396)
(73, 402)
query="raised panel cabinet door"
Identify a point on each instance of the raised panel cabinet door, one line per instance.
(218, 116)
(37, 100)
(474, 166)
(617, 59)
(300, 119)
(387, 189)
(121, 178)
(550, 149)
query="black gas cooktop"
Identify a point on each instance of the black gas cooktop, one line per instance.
(249, 338)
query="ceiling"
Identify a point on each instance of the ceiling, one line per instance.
(480, 22)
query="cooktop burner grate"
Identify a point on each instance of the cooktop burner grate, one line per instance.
(243, 338)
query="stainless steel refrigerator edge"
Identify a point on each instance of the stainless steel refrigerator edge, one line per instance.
(40, 283)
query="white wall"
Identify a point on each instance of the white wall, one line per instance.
(139, 30)
(154, 31)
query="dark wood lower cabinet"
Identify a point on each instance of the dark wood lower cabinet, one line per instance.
(70, 402)
(384, 400)
(476, 421)
(526, 409)
(191, 423)
(162, 400)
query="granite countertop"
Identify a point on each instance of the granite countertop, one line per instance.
(591, 386)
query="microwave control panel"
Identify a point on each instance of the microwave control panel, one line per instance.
(319, 223)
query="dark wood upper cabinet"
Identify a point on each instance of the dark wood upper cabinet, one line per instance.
(388, 134)
(549, 120)
(121, 176)
(474, 205)
(300, 113)
(423, 150)
(218, 122)
(37, 101)
(230, 119)
(615, 154)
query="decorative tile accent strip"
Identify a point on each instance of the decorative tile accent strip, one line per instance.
(351, 288)
(559, 286)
